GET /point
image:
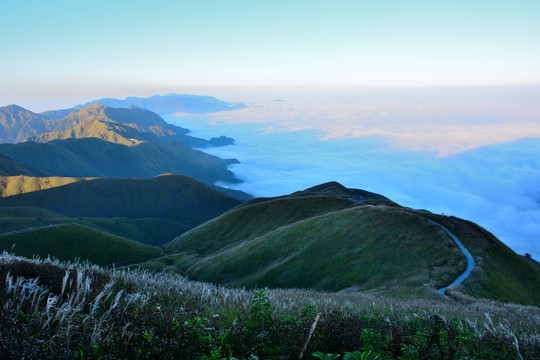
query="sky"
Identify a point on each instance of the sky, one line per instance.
(59, 53)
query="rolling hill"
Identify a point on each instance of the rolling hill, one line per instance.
(151, 231)
(92, 157)
(75, 241)
(332, 238)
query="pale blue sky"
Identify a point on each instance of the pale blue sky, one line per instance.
(117, 48)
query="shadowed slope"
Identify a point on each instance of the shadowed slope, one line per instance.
(91, 157)
(151, 231)
(177, 198)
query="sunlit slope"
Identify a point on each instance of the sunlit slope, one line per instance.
(15, 185)
(324, 238)
(172, 197)
(121, 126)
(17, 124)
(74, 241)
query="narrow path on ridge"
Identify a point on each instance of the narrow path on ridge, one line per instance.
(470, 259)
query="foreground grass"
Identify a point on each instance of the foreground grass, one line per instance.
(60, 310)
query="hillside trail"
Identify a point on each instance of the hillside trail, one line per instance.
(470, 259)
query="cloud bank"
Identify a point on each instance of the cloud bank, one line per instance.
(482, 166)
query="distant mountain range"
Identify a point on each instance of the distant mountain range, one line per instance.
(162, 105)
(96, 140)
(128, 126)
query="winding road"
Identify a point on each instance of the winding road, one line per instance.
(470, 260)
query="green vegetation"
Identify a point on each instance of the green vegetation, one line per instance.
(50, 310)
(73, 241)
(363, 247)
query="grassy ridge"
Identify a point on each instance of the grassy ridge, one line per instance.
(363, 247)
(74, 241)
(253, 219)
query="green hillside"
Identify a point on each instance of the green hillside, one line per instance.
(92, 157)
(171, 197)
(151, 231)
(74, 241)
(324, 238)
(364, 248)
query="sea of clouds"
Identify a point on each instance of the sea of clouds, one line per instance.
(472, 153)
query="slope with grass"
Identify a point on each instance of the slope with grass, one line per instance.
(325, 238)
(75, 241)
(499, 272)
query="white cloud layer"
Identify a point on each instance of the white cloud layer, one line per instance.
(478, 162)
